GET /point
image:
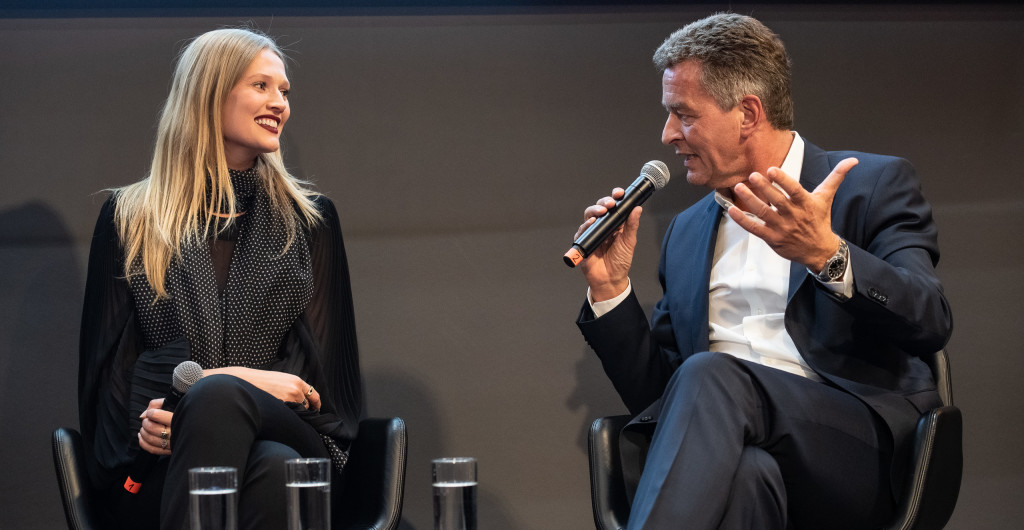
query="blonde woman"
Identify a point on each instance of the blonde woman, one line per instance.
(221, 257)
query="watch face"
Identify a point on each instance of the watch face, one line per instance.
(836, 268)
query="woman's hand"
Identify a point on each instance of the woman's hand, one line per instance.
(283, 386)
(155, 434)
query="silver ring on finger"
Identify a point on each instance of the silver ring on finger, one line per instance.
(310, 393)
(163, 434)
(163, 443)
(305, 403)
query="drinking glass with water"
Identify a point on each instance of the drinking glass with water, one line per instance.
(213, 498)
(308, 482)
(454, 481)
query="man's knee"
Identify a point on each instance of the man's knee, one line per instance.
(710, 363)
(711, 370)
(716, 389)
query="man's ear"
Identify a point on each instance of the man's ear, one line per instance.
(753, 114)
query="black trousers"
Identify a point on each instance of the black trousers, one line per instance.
(740, 445)
(224, 421)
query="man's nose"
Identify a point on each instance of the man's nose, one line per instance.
(671, 132)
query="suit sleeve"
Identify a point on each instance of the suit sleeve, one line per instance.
(893, 255)
(637, 356)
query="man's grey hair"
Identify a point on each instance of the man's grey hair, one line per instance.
(738, 55)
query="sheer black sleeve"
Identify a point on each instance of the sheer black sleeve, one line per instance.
(331, 319)
(108, 348)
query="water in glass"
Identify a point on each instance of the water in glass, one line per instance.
(309, 505)
(455, 505)
(213, 509)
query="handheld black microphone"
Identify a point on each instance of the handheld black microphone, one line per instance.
(185, 375)
(653, 176)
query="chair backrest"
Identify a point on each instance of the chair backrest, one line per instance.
(607, 486)
(374, 478)
(75, 490)
(936, 468)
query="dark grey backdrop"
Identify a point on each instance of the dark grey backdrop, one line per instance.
(461, 149)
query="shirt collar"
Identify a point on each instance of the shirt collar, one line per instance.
(794, 162)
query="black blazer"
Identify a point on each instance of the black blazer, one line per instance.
(868, 345)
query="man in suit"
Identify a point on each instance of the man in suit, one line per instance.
(780, 367)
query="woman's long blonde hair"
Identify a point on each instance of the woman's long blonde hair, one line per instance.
(175, 206)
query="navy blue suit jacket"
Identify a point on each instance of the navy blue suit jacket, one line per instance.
(868, 345)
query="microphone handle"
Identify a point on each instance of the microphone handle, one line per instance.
(172, 399)
(604, 226)
(145, 461)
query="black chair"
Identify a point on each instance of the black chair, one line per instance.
(926, 504)
(375, 473)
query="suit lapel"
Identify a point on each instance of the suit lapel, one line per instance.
(702, 257)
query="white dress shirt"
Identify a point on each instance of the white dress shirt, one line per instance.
(748, 291)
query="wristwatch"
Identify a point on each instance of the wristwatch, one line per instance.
(836, 265)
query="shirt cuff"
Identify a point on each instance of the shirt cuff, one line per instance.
(842, 289)
(601, 308)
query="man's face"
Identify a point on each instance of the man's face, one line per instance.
(706, 136)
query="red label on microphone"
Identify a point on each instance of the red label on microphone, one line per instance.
(131, 486)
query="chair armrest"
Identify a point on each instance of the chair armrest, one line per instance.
(936, 471)
(373, 481)
(607, 488)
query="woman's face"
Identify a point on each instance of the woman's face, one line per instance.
(254, 113)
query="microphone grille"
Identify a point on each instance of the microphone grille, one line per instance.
(186, 374)
(657, 172)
